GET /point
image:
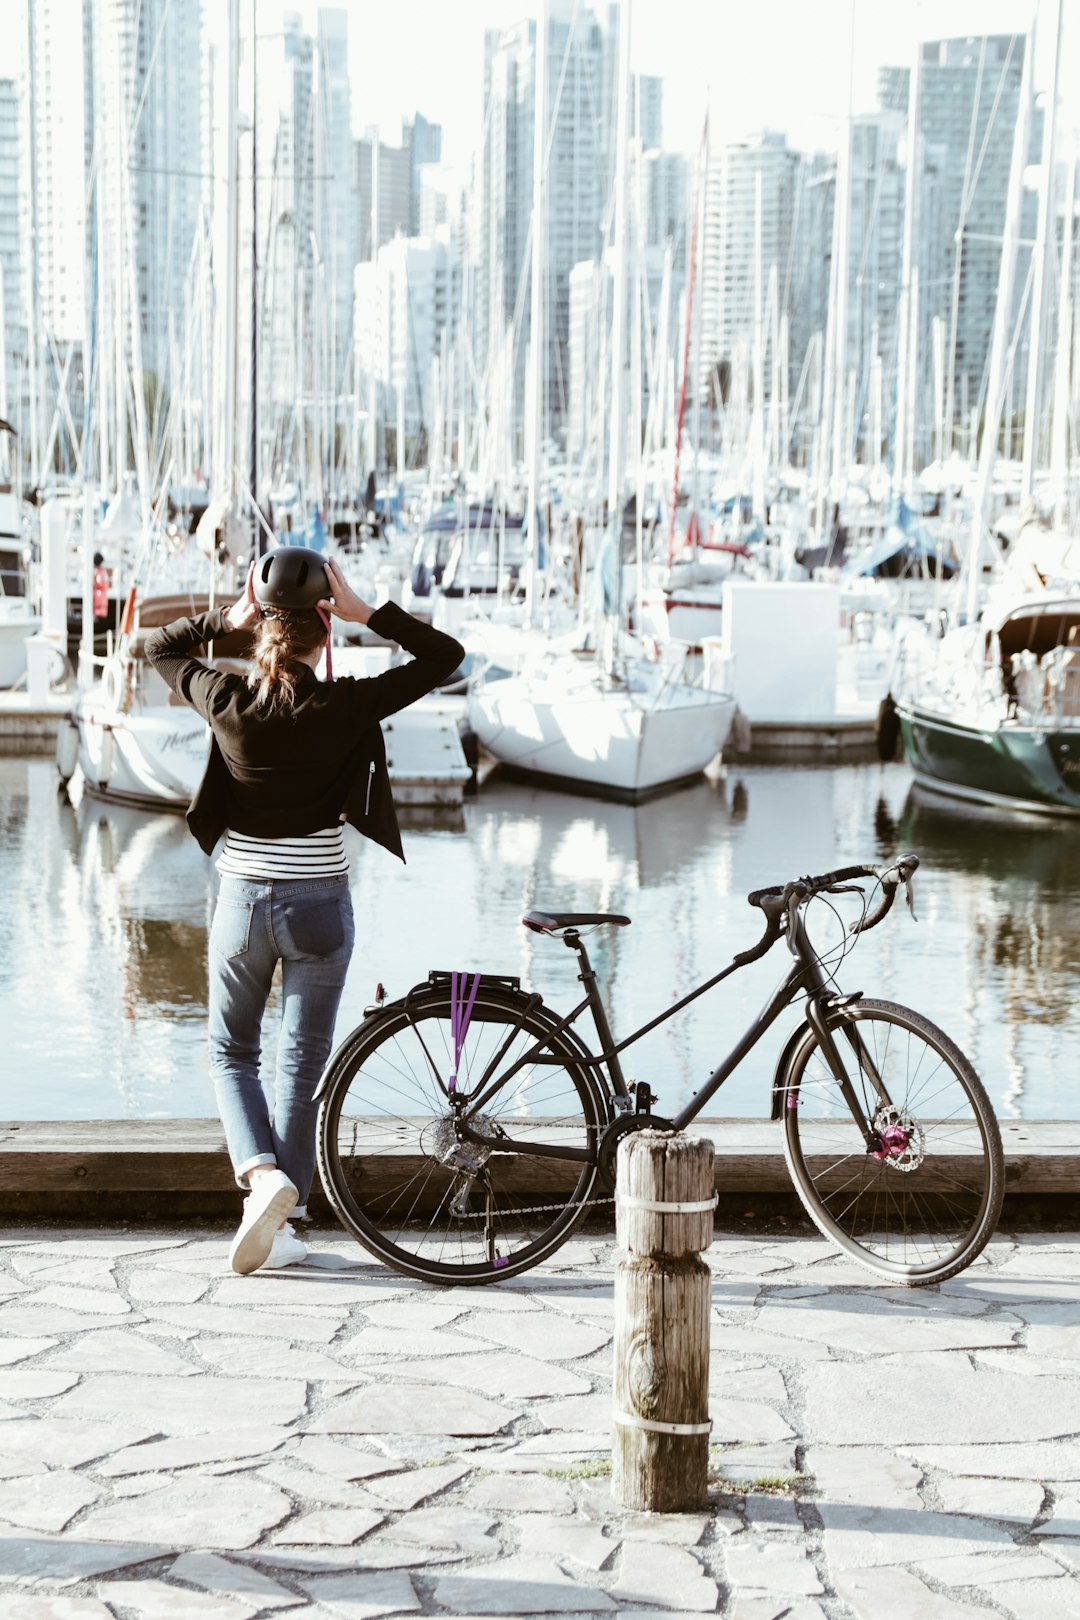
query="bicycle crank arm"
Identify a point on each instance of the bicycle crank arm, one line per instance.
(537, 1150)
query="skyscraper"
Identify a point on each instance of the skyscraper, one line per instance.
(12, 317)
(394, 175)
(335, 224)
(578, 144)
(405, 302)
(968, 101)
(742, 172)
(61, 136)
(147, 154)
(424, 141)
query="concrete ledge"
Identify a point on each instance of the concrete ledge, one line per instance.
(143, 1167)
(31, 728)
(806, 742)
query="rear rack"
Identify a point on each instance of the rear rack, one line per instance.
(488, 981)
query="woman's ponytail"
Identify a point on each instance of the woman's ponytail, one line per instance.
(280, 644)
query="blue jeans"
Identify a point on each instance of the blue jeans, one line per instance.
(307, 926)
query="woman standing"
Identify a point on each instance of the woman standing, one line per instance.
(291, 759)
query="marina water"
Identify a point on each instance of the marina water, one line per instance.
(104, 926)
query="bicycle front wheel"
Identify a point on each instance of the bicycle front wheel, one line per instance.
(396, 1169)
(919, 1205)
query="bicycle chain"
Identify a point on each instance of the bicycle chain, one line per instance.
(534, 1209)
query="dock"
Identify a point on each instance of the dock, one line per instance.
(846, 738)
(30, 726)
(142, 1168)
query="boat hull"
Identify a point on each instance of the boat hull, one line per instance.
(599, 743)
(155, 760)
(1012, 765)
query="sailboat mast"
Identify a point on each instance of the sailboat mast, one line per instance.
(1059, 450)
(535, 416)
(227, 436)
(995, 388)
(617, 458)
(253, 407)
(1046, 225)
(691, 271)
(371, 438)
(903, 334)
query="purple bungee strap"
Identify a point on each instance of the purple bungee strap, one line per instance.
(461, 1006)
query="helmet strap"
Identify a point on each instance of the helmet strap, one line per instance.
(329, 654)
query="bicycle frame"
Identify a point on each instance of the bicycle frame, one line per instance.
(806, 975)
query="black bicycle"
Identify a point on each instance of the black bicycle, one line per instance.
(466, 1129)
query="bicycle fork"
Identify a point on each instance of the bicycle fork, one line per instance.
(817, 1009)
(821, 1003)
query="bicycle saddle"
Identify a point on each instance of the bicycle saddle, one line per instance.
(553, 922)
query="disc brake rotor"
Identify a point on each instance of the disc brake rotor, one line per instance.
(901, 1139)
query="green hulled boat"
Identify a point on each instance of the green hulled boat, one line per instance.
(991, 711)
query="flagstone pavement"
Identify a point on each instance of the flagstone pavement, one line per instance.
(335, 1440)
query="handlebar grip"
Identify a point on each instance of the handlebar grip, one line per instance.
(882, 909)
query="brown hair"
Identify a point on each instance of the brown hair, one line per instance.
(279, 645)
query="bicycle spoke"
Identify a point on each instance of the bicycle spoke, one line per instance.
(454, 1211)
(920, 1204)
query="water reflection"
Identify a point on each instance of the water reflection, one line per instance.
(1017, 911)
(103, 938)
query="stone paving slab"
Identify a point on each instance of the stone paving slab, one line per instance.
(336, 1442)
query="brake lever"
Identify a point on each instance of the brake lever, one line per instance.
(909, 895)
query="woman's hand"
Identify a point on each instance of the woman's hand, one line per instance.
(346, 604)
(245, 611)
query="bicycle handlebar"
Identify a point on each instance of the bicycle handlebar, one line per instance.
(796, 893)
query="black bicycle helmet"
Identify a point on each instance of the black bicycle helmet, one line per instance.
(290, 580)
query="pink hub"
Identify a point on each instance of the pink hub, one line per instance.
(894, 1140)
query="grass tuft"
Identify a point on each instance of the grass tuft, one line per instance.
(593, 1468)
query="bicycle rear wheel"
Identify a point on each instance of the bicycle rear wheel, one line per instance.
(922, 1205)
(398, 1175)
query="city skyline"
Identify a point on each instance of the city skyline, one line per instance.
(435, 328)
(801, 92)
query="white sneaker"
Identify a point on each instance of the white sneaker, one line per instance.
(270, 1200)
(286, 1249)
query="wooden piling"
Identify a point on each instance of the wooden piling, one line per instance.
(660, 1422)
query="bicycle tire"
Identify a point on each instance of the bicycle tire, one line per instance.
(924, 1206)
(384, 1133)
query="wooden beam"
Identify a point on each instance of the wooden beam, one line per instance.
(188, 1155)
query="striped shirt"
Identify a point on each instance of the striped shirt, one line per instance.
(313, 855)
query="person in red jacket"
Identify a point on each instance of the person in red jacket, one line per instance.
(100, 593)
(291, 759)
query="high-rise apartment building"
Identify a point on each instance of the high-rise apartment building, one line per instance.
(647, 110)
(336, 224)
(424, 141)
(579, 75)
(60, 109)
(147, 147)
(285, 203)
(591, 301)
(12, 317)
(407, 305)
(394, 175)
(760, 172)
(968, 100)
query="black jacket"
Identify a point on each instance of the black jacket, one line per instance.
(281, 773)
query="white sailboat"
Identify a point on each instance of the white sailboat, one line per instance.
(17, 618)
(616, 724)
